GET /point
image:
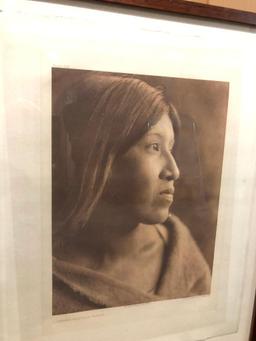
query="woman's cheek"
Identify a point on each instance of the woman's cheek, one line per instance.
(134, 178)
(145, 182)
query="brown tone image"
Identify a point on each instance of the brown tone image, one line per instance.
(136, 174)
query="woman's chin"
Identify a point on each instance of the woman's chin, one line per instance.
(155, 216)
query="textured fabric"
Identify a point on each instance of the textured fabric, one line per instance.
(184, 273)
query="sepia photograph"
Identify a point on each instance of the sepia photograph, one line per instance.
(128, 170)
(136, 175)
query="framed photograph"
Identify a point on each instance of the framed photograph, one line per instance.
(128, 179)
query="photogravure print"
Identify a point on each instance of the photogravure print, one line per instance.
(136, 170)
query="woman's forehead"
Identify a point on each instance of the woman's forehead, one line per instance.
(163, 127)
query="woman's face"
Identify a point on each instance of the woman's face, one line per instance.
(142, 180)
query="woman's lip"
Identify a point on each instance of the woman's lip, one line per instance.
(168, 191)
(167, 196)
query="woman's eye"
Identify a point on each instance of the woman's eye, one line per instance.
(154, 147)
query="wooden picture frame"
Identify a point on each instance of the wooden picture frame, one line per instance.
(61, 38)
(191, 8)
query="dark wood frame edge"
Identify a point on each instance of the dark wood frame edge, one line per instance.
(192, 9)
(253, 323)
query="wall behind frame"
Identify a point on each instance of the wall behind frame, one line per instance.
(243, 5)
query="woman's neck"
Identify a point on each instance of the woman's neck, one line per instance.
(120, 247)
(113, 232)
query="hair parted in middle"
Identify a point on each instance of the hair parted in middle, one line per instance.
(103, 116)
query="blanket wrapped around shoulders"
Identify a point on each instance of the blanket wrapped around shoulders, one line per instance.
(184, 273)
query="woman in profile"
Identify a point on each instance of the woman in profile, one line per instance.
(115, 241)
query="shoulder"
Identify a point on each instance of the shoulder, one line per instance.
(67, 295)
(174, 231)
(186, 264)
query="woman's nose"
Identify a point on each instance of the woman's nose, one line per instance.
(171, 170)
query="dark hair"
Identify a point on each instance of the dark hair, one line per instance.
(103, 116)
